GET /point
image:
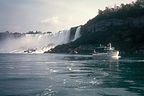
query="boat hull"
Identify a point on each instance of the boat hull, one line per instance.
(107, 56)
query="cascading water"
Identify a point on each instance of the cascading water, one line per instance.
(77, 33)
(36, 43)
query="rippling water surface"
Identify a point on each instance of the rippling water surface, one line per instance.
(69, 75)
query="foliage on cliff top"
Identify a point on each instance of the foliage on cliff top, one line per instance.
(123, 11)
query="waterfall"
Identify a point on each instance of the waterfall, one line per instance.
(34, 43)
(77, 33)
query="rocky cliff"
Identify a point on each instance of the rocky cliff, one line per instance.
(123, 26)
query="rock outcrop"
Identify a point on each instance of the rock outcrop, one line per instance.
(123, 27)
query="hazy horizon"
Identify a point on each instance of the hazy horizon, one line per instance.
(54, 15)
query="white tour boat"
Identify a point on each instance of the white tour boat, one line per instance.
(106, 52)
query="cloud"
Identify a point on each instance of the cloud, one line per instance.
(45, 15)
(52, 20)
(56, 23)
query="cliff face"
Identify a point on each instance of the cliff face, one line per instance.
(126, 35)
(105, 25)
(123, 27)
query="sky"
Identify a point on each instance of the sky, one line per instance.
(49, 15)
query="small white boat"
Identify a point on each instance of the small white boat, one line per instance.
(106, 52)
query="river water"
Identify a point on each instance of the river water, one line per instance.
(69, 75)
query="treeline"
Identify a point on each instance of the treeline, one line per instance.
(123, 11)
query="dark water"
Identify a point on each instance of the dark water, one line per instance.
(69, 75)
